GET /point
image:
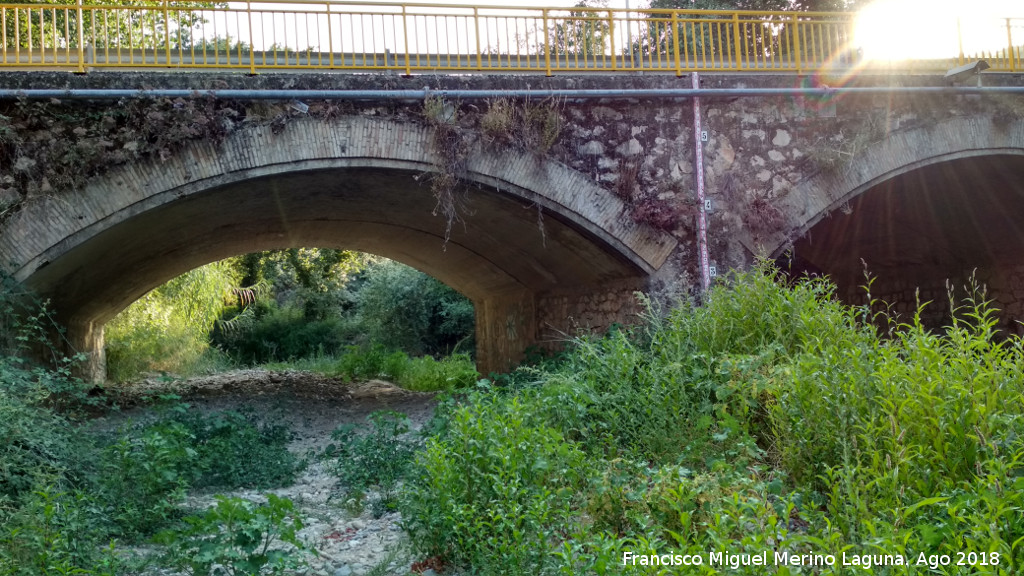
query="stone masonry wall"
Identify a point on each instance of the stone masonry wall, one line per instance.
(562, 315)
(760, 155)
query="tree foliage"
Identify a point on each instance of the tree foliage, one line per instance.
(169, 327)
(405, 309)
(764, 5)
(582, 33)
(134, 23)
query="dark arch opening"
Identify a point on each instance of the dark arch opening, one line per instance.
(918, 230)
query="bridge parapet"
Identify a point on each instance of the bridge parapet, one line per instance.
(418, 38)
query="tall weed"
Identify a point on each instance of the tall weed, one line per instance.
(772, 418)
(495, 491)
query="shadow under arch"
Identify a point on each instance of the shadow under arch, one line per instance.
(926, 229)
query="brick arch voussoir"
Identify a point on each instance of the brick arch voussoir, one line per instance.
(49, 226)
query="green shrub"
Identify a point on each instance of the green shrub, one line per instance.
(53, 534)
(36, 444)
(144, 476)
(228, 443)
(370, 362)
(281, 334)
(237, 538)
(404, 309)
(424, 374)
(494, 491)
(377, 459)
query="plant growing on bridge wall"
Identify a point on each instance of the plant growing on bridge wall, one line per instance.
(451, 149)
(532, 126)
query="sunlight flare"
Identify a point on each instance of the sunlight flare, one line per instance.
(911, 29)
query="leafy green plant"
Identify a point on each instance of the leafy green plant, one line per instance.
(143, 477)
(227, 443)
(35, 444)
(34, 365)
(494, 491)
(51, 535)
(772, 418)
(237, 538)
(377, 459)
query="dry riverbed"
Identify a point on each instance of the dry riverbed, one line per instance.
(344, 544)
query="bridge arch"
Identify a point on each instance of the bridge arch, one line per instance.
(922, 207)
(900, 152)
(531, 226)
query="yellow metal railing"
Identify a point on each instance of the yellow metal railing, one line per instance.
(297, 34)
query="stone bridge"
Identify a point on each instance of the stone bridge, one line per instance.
(563, 208)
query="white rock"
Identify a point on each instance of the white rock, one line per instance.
(782, 138)
(630, 148)
(592, 148)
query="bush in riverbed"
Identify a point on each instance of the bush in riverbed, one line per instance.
(236, 450)
(378, 459)
(774, 418)
(238, 538)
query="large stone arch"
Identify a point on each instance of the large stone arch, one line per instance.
(899, 153)
(926, 211)
(531, 226)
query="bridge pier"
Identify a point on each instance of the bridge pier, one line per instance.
(506, 325)
(86, 338)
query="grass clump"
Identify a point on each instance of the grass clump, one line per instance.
(421, 374)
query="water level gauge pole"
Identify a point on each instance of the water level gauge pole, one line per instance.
(699, 137)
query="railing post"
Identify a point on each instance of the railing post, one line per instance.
(1009, 44)
(479, 53)
(330, 38)
(252, 48)
(960, 42)
(167, 33)
(611, 38)
(675, 42)
(797, 59)
(547, 44)
(81, 40)
(737, 56)
(405, 32)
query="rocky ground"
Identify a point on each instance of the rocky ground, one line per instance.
(344, 544)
